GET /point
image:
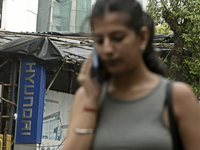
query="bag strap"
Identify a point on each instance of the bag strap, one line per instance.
(177, 144)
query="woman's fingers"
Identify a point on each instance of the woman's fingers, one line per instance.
(89, 65)
(85, 71)
(86, 80)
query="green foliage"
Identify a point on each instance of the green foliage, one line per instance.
(191, 72)
(176, 66)
(183, 18)
(164, 28)
(164, 61)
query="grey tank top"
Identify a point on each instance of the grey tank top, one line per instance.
(134, 124)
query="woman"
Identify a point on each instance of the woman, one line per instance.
(127, 111)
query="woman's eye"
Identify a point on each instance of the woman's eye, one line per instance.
(118, 39)
(99, 41)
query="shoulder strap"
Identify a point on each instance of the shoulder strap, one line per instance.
(177, 144)
(103, 93)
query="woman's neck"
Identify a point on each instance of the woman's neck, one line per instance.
(135, 76)
(136, 82)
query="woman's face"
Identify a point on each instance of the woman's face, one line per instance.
(118, 46)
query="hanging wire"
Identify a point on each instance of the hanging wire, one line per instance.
(60, 143)
(170, 51)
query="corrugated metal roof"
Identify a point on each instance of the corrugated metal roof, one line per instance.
(74, 46)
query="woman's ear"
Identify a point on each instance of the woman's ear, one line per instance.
(144, 33)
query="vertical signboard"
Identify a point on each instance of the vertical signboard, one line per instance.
(30, 101)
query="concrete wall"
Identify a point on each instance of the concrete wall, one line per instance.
(19, 15)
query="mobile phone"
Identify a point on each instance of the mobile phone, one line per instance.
(99, 70)
(96, 67)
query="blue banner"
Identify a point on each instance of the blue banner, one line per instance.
(30, 102)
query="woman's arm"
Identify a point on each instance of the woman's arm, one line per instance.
(187, 113)
(80, 119)
(86, 96)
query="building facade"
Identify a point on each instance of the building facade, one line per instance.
(45, 15)
(63, 15)
(19, 15)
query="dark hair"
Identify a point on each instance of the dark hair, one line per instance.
(150, 57)
(136, 19)
(131, 7)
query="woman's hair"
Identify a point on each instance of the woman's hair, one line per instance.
(130, 7)
(150, 57)
(135, 19)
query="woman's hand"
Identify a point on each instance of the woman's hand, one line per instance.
(89, 83)
(86, 96)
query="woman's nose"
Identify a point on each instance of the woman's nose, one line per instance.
(107, 46)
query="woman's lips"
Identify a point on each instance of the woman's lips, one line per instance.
(112, 62)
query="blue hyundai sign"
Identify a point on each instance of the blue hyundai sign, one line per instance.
(30, 102)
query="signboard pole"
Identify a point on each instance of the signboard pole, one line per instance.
(1, 102)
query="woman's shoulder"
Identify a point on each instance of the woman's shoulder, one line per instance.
(178, 88)
(181, 87)
(187, 113)
(182, 91)
(184, 99)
